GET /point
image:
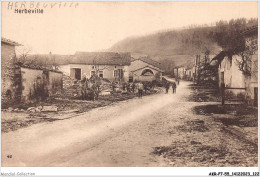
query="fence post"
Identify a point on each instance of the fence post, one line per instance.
(223, 93)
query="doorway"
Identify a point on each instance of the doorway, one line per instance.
(222, 77)
(78, 73)
(256, 96)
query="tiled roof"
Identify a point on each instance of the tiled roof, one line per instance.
(155, 68)
(10, 42)
(47, 59)
(101, 58)
(87, 58)
(149, 61)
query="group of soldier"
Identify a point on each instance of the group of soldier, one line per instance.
(89, 89)
(131, 87)
(173, 85)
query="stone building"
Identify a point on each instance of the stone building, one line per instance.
(25, 83)
(229, 73)
(8, 59)
(240, 79)
(108, 65)
(180, 72)
(144, 69)
(251, 80)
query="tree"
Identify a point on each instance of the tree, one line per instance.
(245, 62)
(206, 72)
(35, 61)
(23, 56)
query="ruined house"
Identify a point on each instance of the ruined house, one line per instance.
(229, 73)
(238, 72)
(23, 82)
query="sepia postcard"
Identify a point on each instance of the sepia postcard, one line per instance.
(129, 84)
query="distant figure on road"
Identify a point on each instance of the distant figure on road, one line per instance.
(174, 87)
(167, 86)
(140, 88)
(178, 80)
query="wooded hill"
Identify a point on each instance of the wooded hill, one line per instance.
(179, 47)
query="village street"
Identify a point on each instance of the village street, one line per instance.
(127, 133)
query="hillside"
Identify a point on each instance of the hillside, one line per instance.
(179, 47)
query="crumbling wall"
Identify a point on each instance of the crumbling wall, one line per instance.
(71, 87)
(7, 73)
(38, 84)
(55, 84)
(33, 84)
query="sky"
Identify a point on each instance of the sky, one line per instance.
(65, 27)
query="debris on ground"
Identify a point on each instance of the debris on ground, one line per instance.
(49, 109)
(193, 125)
(216, 135)
(193, 153)
(57, 109)
(204, 94)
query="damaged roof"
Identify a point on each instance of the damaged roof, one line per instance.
(9, 42)
(86, 58)
(218, 58)
(101, 58)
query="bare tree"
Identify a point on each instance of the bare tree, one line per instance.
(23, 56)
(245, 62)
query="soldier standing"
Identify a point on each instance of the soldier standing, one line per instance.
(140, 87)
(174, 87)
(167, 86)
(133, 87)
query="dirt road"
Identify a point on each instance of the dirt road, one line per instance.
(123, 134)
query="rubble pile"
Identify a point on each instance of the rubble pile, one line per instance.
(10, 109)
(33, 109)
(43, 109)
(71, 87)
(105, 85)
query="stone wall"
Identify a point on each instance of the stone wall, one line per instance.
(38, 84)
(55, 84)
(7, 72)
(252, 81)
